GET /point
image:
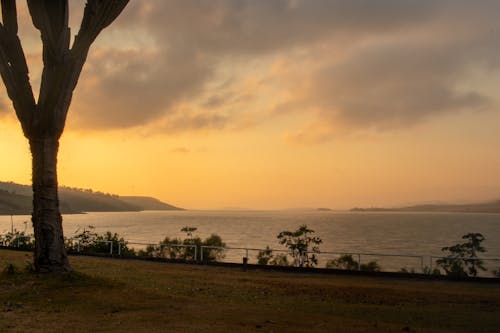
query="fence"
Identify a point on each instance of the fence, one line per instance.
(360, 256)
(199, 254)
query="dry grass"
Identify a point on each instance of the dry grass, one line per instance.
(116, 295)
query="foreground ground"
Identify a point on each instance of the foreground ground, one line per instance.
(109, 295)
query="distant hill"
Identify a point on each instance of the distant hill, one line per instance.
(483, 207)
(17, 199)
(148, 203)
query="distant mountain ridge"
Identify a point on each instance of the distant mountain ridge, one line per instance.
(16, 199)
(482, 207)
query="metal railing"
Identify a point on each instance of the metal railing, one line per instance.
(200, 252)
(161, 246)
(304, 254)
(78, 244)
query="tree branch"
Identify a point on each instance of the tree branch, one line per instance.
(13, 67)
(98, 14)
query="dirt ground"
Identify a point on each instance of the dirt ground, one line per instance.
(110, 295)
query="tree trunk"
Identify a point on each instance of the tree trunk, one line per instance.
(50, 254)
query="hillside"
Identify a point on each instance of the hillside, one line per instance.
(17, 199)
(148, 203)
(483, 207)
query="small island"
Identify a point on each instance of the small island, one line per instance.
(492, 207)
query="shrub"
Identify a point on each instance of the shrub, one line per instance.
(429, 271)
(18, 239)
(213, 254)
(264, 256)
(371, 266)
(302, 245)
(280, 260)
(345, 261)
(462, 260)
(170, 247)
(90, 241)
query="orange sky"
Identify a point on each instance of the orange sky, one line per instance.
(270, 105)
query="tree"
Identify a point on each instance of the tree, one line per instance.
(43, 121)
(463, 260)
(301, 244)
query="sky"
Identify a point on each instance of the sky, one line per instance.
(256, 104)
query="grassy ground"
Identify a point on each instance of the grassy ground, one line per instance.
(108, 295)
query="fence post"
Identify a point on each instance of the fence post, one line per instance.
(111, 248)
(359, 261)
(422, 263)
(119, 248)
(201, 253)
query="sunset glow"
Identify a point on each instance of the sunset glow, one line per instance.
(280, 104)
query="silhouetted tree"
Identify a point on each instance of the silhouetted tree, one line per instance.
(43, 121)
(463, 260)
(302, 245)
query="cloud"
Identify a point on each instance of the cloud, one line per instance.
(394, 85)
(176, 66)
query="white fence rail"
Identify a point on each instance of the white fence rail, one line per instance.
(199, 253)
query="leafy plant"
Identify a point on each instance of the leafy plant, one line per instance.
(433, 271)
(302, 245)
(462, 260)
(187, 248)
(264, 256)
(90, 241)
(18, 239)
(345, 261)
(214, 254)
(280, 260)
(496, 272)
(371, 266)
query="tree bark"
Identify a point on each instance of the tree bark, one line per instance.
(50, 254)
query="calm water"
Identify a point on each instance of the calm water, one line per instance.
(388, 233)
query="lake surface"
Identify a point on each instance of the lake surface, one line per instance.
(422, 234)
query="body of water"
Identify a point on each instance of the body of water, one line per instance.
(422, 234)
